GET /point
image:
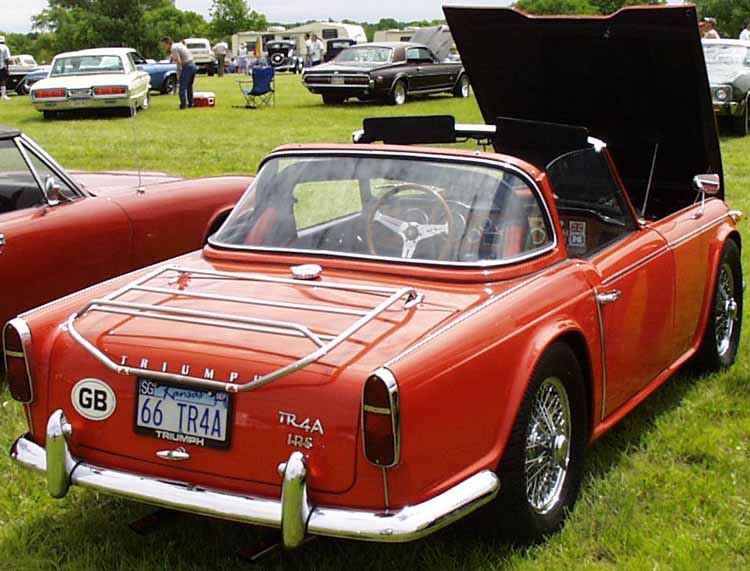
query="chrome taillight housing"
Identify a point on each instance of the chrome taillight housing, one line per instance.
(381, 420)
(110, 91)
(49, 93)
(16, 350)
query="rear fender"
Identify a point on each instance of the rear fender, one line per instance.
(565, 330)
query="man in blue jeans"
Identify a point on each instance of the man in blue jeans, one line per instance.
(186, 69)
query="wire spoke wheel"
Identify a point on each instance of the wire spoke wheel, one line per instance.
(547, 446)
(725, 309)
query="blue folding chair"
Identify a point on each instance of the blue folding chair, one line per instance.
(261, 89)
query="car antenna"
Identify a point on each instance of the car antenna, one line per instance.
(650, 179)
(140, 189)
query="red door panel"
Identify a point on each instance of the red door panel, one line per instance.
(636, 301)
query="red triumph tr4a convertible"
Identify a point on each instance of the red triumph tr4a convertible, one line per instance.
(382, 338)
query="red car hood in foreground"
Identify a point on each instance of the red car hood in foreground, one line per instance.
(328, 391)
(111, 182)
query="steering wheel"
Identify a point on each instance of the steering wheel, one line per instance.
(412, 233)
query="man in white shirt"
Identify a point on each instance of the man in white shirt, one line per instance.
(186, 69)
(710, 32)
(4, 64)
(316, 50)
(745, 33)
(220, 51)
(308, 50)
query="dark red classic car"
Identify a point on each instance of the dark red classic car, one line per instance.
(60, 232)
(383, 337)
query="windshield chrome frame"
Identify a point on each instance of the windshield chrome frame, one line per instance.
(497, 164)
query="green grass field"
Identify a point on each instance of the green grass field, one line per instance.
(669, 488)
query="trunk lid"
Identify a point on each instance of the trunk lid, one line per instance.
(315, 409)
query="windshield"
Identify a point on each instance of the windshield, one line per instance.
(726, 54)
(197, 46)
(80, 65)
(418, 209)
(365, 55)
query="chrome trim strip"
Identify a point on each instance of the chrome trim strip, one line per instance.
(389, 380)
(404, 154)
(405, 524)
(325, 343)
(24, 333)
(603, 346)
(716, 221)
(466, 316)
(631, 268)
(376, 409)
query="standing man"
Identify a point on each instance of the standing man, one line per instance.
(4, 63)
(710, 32)
(186, 69)
(745, 34)
(316, 50)
(308, 51)
(220, 51)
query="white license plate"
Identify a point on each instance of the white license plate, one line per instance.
(337, 81)
(183, 415)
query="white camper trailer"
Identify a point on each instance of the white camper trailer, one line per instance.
(324, 30)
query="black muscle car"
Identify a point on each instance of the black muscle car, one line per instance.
(728, 63)
(385, 71)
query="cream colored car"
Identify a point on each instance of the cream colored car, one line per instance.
(99, 78)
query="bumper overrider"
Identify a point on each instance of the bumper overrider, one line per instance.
(294, 513)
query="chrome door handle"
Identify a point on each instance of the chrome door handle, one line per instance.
(2, 243)
(608, 296)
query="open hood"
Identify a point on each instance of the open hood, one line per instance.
(437, 38)
(633, 79)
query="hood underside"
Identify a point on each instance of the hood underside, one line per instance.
(634, 79)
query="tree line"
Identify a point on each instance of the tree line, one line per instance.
(76, 24)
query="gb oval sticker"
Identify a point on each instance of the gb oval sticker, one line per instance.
(93, 399)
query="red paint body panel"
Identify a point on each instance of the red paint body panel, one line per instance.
(463, 358)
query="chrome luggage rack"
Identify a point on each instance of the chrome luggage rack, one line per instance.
(181, 277)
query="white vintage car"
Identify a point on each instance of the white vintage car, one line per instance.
(92, 79)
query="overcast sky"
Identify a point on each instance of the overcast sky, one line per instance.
(18, 18)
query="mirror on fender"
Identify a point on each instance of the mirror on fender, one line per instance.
(52, 191)
(709, 184)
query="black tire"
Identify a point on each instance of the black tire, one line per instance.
(398, 93)
(523, 516)
(718, 348)
(333, 99)
(49, 114)
(169, 86)
(741, 125)
(462, 88)
(210, 71)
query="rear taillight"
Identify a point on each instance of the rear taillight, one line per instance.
(110, 90)
(46, 93)
(381, 420)
(16, 348)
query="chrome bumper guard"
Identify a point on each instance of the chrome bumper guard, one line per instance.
(294, 514)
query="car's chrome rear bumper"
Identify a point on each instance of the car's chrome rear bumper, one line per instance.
(294, 513)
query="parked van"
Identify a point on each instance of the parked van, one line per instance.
(203, 55)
